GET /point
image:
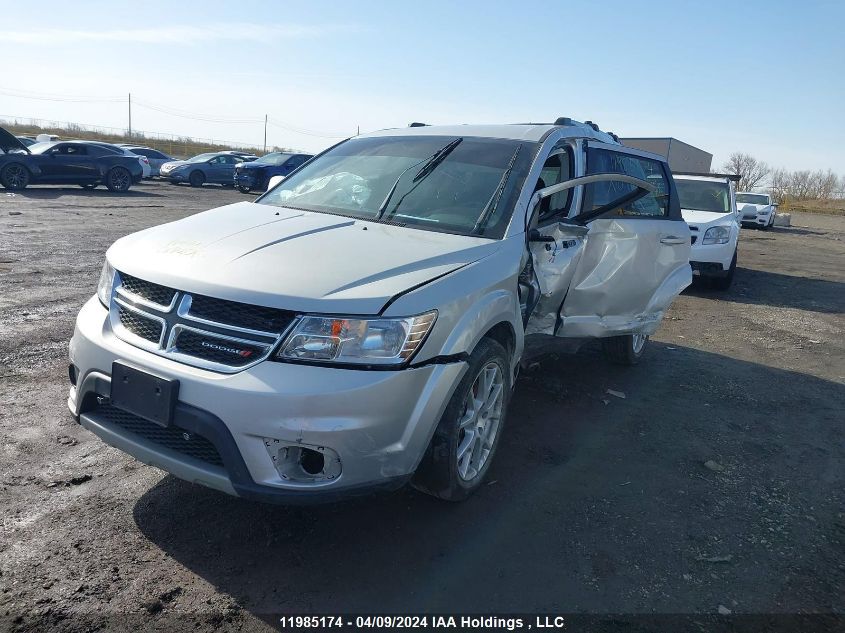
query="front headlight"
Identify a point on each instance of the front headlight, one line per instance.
(104, 287)
(356, 341)
(717, 235)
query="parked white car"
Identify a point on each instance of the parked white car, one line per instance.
(708, 204)
(362, 323)
(756, 209)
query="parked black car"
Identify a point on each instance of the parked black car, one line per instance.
(256, 174)
(65, 162)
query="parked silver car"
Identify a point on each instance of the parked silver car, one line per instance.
(212, 167)
(155, 157)
(362, 323)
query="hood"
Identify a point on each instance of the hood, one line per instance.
(291, 259)
(9, 142)
(252, 165)
(702, 218)
(173, 164)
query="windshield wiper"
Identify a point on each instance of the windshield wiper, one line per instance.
(430, 164)
(493, 203)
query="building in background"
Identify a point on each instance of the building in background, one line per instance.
(681, 156)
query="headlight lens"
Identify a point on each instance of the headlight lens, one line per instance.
(357, 341)
(717, 235)
(104, 287)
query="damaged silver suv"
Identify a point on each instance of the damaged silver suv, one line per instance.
(361, 324)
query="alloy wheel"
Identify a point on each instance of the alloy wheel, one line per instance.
(479, 423)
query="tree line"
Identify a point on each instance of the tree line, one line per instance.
(783, 184)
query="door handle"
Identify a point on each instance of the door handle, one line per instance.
(674, 239)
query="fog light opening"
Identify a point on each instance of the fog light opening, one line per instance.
(311, 461)
(303, 464)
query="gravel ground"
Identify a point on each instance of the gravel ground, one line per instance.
(716, 482)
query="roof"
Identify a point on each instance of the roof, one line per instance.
(531, 132)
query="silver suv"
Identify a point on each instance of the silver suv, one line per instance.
(361, 324)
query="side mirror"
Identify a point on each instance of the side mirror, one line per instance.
(274, 180)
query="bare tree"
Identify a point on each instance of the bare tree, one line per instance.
(751, 172)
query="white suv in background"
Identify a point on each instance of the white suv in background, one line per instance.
(708, 204)
(756, 209)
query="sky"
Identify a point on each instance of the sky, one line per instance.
(767, 78)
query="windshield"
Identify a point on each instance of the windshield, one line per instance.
(356, 177)
(752, 198)
(276, 158)
(201, 158)
(704, 195)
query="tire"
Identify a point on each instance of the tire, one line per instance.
(244, 189)
(89, 187)
(625, 350)
(14, 177)
(197, 178)
(472, 433)
(118, 179)
(723, 283)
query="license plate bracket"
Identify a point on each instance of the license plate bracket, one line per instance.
(144, 394)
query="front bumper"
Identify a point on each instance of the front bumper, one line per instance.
(176, 176)
(711, 259)
(378, 422)
(245, 179)
(756, 220)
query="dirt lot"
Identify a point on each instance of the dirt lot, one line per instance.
(596, 503)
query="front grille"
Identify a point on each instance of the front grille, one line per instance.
(171, 437)
(216, 349)
(154, 293)
(241, 315)
(139, 325)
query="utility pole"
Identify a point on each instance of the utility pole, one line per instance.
(130, 116)
(265, 133)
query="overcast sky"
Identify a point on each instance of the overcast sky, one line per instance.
(763, 77)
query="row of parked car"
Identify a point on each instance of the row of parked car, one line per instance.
(25, 161)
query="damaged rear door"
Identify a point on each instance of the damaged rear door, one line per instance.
(615, 267)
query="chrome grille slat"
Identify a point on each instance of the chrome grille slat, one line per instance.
(216, 334)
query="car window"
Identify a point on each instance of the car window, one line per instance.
(596, 195)
(217, 161)
(556, 169)
(752, 198)
(296, 161)
(68, 149)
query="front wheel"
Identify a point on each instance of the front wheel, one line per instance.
(14, 177)
(196, 178)
(243, 189)
(467, 435)
(118, 180)
(626, 349)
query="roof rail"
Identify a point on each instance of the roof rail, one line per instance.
(563, 120)
(417, 124)
(734, 177)
(592, 125)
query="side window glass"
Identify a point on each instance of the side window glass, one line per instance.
(216, 161)
(556, 169)
(602, 161)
